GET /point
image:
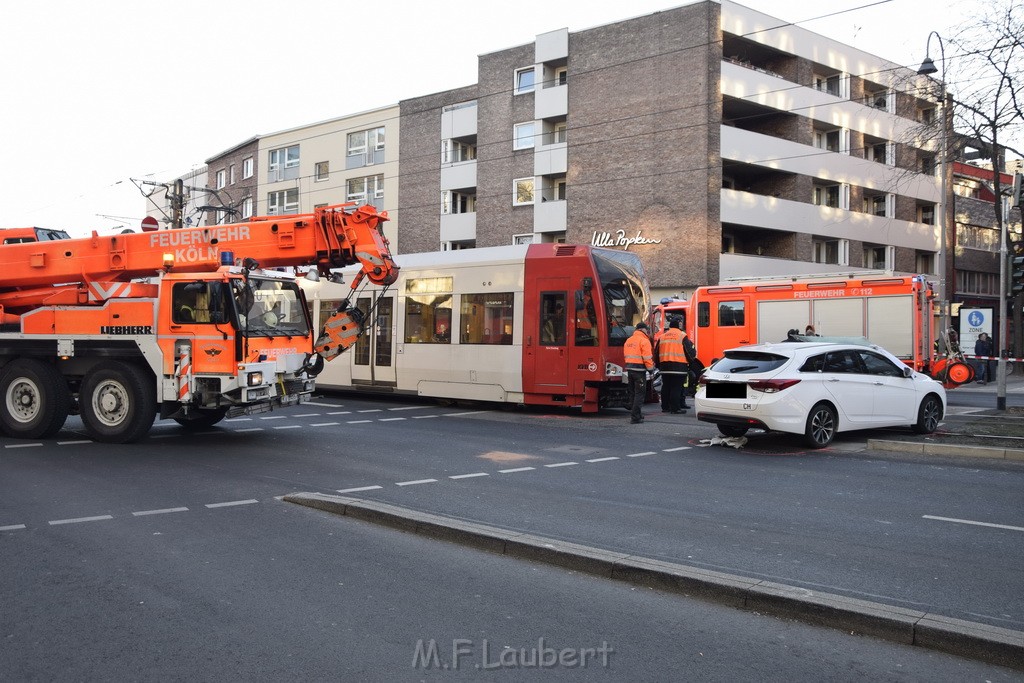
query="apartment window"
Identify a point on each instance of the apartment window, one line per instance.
(365, 190)
(926, 214)
(560, 189)
(283, 164)
(283, 202)
(829, 84)
(231, 174)
(977, 237)
(454, 151)
(924, 262)
(926, 115)
(560, 132)
(457, 202)
(879, 153)
(827, 139)
(827, 195)
(878, 99)
(833, 252)
(522, 137)
(928, 165)
(977, 283)
(525, 238)
(524, 80)
(875, 205)
(322, 171)
(874, 257)
(247, 207)
(221, 179)
(365, 141)
(247, 168)
(522, 191)
(561, 75)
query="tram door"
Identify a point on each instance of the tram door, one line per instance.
(549, 352)
(373, 356)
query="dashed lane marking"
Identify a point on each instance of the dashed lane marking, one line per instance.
(12, 527)
(324, 424)
(322, 405)
(289, 427)
(562, 464)
(415, 482)
(275, 417)
(390, 419)
(470, 476)
(672, 450)
(371, 410)
(22, 445)
(613, 457)
(360, 488)
(232, 503)
(251, 429)
(307, 415)
(340, 412)
(973, 523)
(409, 408)
(358, 422)
(423, 417)
(517, 469)
(472, 412)
(165, 511)
(639, 455)
(79, 520)
(73, 443)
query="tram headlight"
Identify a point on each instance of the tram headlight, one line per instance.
(254, 379)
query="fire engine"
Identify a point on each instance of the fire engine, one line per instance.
(890, 310)
(191, 324)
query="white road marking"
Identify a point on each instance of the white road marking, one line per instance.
(472, 412)
(562, 464)
(469, 476)
(73, 443)
(165, 511)
(968, 521)
(307, 415)
(358, 422)
(340, 412)
(323, 405)
(239, 419)
(672, 450)
(614, 457)
(12, 527)
(360, 488)
(275, 417)
(417, 481)
(639, 455)
(251, 429)
(517, 469)
(409, 408)
(324, 424)
(98, 518)
(23, 445)
(390, 419)
(166, 436)
(289, 427)
(371, 410)
(421, 417)
(232, 503)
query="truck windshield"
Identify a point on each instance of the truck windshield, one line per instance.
(625, 291)
(270, 308)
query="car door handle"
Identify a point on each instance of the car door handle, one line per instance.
(833, 379)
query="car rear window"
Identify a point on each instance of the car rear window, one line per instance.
(743, 362)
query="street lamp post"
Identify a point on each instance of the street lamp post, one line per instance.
(928, 68)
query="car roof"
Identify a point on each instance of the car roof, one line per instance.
(793, 348)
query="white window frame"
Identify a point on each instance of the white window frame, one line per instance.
(247, 168)
(524, 238)
(222, 176)
(283, 202)
(231, 174)
(516, 193)
(247, 207)
(561, 75)
(519, 87)
(321, 171)
(283, 164)
(524, 135)
(371, 187)
(362, 141)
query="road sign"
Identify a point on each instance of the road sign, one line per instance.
(149, 224)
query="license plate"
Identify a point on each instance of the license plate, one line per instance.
(727, 390)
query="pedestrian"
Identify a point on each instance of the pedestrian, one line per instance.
(809, 332)
(982, 349)
(675, 368)
(639, 361)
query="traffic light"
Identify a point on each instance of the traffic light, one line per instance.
(1017, 276)
(1015, 196)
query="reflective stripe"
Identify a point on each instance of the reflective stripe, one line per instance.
(670, 348)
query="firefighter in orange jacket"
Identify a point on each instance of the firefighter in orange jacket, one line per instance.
(674, 366)
(639, 361)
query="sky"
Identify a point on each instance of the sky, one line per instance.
(96, 94)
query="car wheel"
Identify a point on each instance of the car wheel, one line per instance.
(821, 426)
(928, 415)
(732, 431)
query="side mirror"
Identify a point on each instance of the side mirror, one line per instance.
(908, 371)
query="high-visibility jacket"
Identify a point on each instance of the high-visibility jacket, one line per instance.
(639, 355)
(671, 354)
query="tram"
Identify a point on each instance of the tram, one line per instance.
(538, 324)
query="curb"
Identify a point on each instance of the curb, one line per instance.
(947, 449)
(991, 644)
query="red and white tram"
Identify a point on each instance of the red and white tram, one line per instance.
(539, 324)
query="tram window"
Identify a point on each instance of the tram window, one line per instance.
(730, 314)
(428, 319)
(552, 328)
(586, 319)
(486, 318)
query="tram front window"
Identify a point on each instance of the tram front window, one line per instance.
(625, 291)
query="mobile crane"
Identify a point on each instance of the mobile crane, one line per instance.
(186, 324)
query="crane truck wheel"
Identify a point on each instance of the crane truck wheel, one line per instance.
(200, 419)
(117, 402)
(36, 399)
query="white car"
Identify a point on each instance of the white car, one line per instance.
(816, 389)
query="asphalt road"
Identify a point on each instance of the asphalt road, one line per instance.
(172, 558)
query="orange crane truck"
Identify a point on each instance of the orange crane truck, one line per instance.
(189, 324)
